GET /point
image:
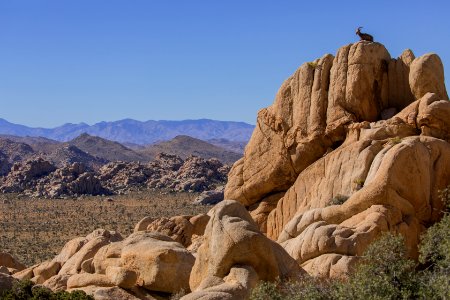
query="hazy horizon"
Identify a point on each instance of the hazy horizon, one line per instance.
(112, 121)
(92, 61)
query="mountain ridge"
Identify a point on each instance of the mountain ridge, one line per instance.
(95, 151)
(137, 132)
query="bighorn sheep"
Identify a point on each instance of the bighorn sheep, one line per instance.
(364, 36)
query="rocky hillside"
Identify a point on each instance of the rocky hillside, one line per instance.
(42, 179)
(132, 131)
(95, 151)
(185, 146)
(67, 154)
(15, 151)
(38, 144)
(353, 146)
(105, 149)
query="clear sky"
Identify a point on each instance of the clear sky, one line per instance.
(103, 60)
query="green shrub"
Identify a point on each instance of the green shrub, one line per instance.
(384, 273)
(435, 245)
(25, 290)
(309, 288)
(266, 291)
(435, 255)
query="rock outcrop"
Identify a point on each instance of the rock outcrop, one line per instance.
(353, 145)
(210, 197)
(37, 177)
(11, 264)
(145, 259)
(182, 229)
(25, 175)
(144, 262)
(234, 255)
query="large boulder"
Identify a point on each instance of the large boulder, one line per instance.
(69, 249)
(143, 263)
(57, 283)
(46, 270)
(7, 260)
(235, 255)
(182, 229)
(400, 94)
(210, 197)
(358, 83)
(161, 264)
(178, 228)
(94, 242)
(236, 285)
(427, 75)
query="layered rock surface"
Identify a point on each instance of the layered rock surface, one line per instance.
(353, 145)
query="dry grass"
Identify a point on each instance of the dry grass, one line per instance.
(34, 230)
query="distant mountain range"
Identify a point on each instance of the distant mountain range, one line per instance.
(95, 151)
(137, 132)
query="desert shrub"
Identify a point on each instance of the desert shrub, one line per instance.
(25, 290)
(267, 291)
(304, 288)
(435, 243)
(384, 273)
(338, 199)
(309, 288)
(435, 256)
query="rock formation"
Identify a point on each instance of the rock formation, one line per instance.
(210, 197)
(25, 175)
(40, 178)
(353, 145)
(235, 255)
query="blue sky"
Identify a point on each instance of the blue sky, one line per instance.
(103, 60)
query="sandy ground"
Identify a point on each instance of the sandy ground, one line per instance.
(33, 230)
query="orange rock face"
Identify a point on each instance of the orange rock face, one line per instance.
(353, 146)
